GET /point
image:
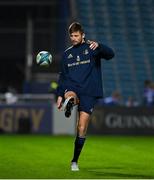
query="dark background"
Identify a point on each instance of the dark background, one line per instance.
(27, 27)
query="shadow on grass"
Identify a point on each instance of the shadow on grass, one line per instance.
(103, 173)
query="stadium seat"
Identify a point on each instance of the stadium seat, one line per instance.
(127, 26)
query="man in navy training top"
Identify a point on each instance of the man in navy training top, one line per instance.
(80, 81)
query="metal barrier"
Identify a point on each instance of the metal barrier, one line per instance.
(10, 98)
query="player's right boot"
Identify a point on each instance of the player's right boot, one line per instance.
(74, 166)
(68, 106)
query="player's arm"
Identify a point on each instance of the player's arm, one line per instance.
(102, 50)
(59, 102)
(105, 52)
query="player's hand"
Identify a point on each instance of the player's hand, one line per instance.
(93, 44)
(59, 102)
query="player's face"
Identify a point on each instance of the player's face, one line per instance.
(76, 38)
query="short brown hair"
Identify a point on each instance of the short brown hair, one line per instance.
(75, 26)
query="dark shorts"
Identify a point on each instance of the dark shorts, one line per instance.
(86, 103)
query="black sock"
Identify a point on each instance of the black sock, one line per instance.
(78, 144)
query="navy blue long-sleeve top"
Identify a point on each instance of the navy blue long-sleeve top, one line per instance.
(81, 70)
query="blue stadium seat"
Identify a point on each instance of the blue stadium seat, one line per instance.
(127, 26)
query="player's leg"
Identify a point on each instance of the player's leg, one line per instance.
(69, 94)
(85, 109)
(81, 134)
(71, 99)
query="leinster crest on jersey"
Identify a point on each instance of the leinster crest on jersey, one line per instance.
(78, 58)
(85, 52)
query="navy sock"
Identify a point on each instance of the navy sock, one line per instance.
(78, 145)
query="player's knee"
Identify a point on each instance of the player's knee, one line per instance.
(72, 94)
(81, 130)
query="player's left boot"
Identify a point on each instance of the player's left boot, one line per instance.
(74, 166)
(68, 106)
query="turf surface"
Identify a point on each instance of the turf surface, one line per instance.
(32, 156)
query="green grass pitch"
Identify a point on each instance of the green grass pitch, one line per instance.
(36, 156)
